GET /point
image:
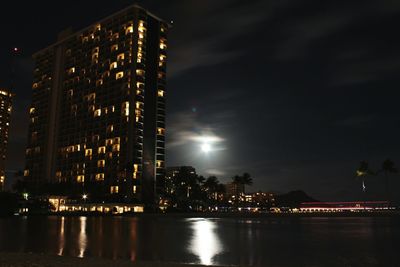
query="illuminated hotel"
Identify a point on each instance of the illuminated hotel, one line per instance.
(97, 117)
(5, 114)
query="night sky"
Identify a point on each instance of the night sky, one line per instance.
(294, 92)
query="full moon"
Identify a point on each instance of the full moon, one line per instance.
(205, 148)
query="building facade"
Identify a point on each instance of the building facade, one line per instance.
(178, 176)
(5, 117)
(234, 190)
(98, 107)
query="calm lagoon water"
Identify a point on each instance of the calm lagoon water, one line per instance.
(219, 241)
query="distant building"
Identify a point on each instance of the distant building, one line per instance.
(354, 206)
(185, 174)
(98, 107)
(260, 199)
(233, 190)
(5, 117)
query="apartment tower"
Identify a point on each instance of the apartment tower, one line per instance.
(97, 118)
(5, 116)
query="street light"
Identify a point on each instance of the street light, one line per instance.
(84, 197)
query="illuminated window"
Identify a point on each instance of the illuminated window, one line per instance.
(110, 128)
(58, 174)
(32, 110)
(119, 75)
(140, 72)
(114, 48)
(101, 163)
(159, 164)
(101, 150)
(26, 173)
(71, 70)
(125, 108)
(91, 96)
(141, 28)
(114, 189)
(117, 140)
(163, 44)
(160, 93)
(115, 36)
(113, 65)
(98, 27)
(135, 167)
(80, 178)
(35, 85)
(97, 113)
(88, 152)
(140, 85)
(100, 177)
(160, 131)
(121, 57)
(109, 142)
(70, 93)
(139, 105)
(129, 30)
(99, 82)
(115, 148)
(106, 74)
(134, 189)
(139, 57)
(78, 147)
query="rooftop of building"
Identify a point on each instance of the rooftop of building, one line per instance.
(66, 34)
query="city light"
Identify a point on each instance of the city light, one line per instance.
(84, 196)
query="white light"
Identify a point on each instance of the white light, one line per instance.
(206, 148)
(205, 243)
(84, 196)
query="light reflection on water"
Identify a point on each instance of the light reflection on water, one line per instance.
(205, 242)
(82, 239)
(224, 241)
(61, 241)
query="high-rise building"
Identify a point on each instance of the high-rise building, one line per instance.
(184, 173)
(98, 107)
(5, 114)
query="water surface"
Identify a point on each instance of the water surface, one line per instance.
(222, 241)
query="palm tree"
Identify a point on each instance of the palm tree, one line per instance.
(246, 179)
(211, 185)
(388, 168)
(362, 172)
(243, 180)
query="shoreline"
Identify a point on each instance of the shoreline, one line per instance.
(14, 259)
(224, 214)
